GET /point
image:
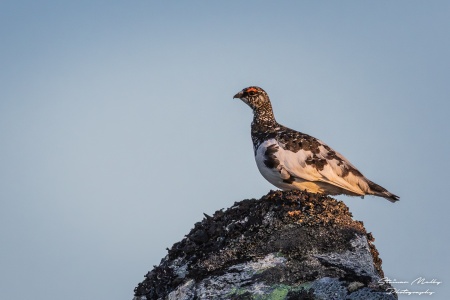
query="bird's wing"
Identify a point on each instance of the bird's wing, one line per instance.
(322, 164)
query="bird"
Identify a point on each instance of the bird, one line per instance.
(291, 160)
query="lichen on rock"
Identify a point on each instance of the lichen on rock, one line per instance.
(286, 245)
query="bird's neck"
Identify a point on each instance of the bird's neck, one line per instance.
(264, 115)
(264, 126)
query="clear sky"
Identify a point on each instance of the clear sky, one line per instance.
(118, 129)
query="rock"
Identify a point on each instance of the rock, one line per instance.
(287, 245)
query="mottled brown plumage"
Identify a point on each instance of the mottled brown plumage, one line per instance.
(293, 160)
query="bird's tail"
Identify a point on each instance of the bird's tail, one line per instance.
(382, 192)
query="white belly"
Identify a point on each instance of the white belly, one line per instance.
(272, 175)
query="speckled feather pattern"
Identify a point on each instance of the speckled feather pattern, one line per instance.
(293, 160)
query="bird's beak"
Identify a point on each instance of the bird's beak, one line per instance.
(239, 95)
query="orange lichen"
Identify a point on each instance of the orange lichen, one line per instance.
(294, 213)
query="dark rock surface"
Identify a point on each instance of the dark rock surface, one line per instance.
(287, 245)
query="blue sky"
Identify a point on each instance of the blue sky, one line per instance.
(119, 130)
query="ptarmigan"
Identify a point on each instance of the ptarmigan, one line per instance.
(293, 160)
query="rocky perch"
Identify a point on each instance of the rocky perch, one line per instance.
(287, 245)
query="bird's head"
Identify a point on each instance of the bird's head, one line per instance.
(254, 96)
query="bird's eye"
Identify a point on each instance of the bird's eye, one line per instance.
(252, 93)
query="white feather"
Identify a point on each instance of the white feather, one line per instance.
(307, 177)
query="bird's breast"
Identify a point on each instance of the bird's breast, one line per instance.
(267, 157)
